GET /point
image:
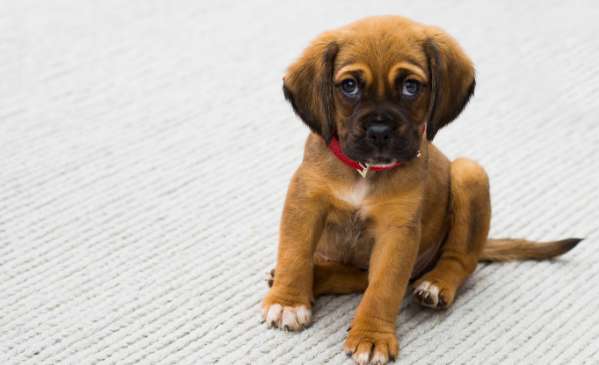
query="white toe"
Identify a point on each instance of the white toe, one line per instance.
(289, 321)
(304, 315)
(379, 358)
(361, 358)
(273, 316)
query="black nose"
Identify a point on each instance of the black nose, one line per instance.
(378, 134)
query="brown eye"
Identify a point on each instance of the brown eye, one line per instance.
(410, 88)
(350, 88)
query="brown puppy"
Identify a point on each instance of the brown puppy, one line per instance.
(375, 93)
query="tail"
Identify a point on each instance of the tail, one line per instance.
(516, 249)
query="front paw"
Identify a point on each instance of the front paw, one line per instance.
(284, 312)
(371, 347)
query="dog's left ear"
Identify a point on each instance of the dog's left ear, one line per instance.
(452, 82)
(309, 87)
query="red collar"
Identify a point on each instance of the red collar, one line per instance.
(361, 168)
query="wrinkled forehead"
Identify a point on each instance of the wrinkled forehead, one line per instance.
(380, 61)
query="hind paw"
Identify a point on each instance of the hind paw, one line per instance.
(432, 294)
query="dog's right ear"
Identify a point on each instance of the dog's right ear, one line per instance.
(309, 86)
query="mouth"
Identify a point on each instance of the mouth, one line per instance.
(376, 159)
(381, 161)
(380, 157)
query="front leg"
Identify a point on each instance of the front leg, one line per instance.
(372, 338)
(288, 302)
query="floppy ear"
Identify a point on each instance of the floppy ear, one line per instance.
(451, 75)
(308, 86)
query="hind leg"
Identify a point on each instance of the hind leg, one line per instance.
(469, 227)
(333, 278)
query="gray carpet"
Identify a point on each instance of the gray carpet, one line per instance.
(145, 150)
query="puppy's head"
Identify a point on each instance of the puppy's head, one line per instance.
(376, 84)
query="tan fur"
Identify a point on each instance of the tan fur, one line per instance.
(336, 225)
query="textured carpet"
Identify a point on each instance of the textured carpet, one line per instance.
(145, 150)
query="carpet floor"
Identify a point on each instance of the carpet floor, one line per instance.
(145, 151)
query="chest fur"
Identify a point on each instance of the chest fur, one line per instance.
(355, 195)
(347, 236)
